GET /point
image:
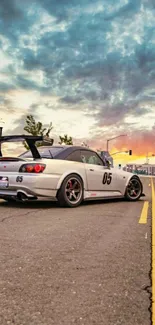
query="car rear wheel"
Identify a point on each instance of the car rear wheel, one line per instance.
(71, 192)
(134, 189)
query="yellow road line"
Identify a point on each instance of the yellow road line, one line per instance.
(153, 253)
(143, 217)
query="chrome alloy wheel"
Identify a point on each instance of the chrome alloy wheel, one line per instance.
(73, 190)
(134, 189)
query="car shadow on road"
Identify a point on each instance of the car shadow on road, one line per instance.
(49, 204)
(29, 205)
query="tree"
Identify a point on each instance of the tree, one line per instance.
(36, 129)
(66, 140)
(84, 144)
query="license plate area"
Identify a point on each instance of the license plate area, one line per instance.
(4, 182)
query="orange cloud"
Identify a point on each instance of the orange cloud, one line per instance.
(141, 142)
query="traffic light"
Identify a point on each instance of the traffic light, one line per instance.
(130, 152)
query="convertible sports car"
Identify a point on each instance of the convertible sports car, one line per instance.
(67, 174)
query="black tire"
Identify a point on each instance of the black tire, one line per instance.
(66, 193)
(134, 189)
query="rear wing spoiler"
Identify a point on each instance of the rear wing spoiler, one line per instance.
(30, 140)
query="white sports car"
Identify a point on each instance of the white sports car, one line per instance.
(67, 174)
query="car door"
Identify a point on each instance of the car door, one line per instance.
(99, 177)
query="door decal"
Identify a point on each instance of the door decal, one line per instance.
(107, 178)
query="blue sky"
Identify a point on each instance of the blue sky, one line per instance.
(87, 66)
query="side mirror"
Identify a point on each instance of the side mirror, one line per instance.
(108, 163)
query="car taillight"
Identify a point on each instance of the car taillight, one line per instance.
(32, 168)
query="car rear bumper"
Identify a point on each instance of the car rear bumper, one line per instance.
(30, 186)
(24, 195)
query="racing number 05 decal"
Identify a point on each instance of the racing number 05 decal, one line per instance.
(107, 178)
(19, 179)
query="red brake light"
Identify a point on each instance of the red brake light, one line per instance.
(32, 168)
(39, 168)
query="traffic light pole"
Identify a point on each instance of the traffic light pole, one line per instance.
(128, 151)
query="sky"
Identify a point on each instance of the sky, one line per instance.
(87, 66)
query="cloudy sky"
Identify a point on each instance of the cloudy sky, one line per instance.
(86, 65)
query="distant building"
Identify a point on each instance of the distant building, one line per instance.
(143, 169)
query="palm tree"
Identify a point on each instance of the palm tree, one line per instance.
(36, 129)
(66, 140)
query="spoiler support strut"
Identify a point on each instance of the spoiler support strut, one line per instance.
(30, 140)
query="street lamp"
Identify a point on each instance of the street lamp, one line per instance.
(118, 136)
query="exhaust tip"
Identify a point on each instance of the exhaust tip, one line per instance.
(22, 197)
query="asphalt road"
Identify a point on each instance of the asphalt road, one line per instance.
(85, 266)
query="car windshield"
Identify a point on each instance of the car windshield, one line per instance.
(47, 152)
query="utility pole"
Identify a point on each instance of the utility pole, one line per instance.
(147, 159)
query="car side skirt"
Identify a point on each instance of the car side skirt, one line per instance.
(92, 195)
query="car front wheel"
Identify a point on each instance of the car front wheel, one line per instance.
(134, 189)
(71, 192)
